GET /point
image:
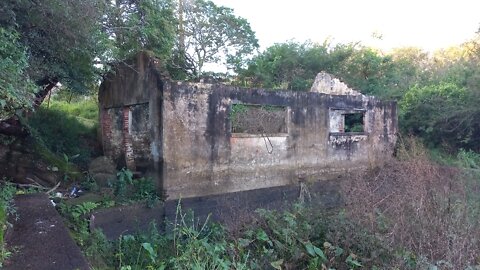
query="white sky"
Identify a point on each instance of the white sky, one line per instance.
(427, 24)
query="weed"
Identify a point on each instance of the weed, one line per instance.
(416, 205)
(77, 221)
(7, 191)
(127, 189)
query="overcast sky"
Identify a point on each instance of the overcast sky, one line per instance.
(427, 24)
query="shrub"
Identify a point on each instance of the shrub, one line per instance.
(443, 114)
(7, 192)
(423, 210)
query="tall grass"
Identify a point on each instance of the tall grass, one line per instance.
(68, 129)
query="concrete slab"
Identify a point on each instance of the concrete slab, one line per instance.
(40, 237)
(126, 219)
(231, 209)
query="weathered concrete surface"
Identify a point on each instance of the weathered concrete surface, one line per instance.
(327, 84)
(129, 219)
(230, 209)
(203, 157)
(182, 134)
(42, 240)
(103, 170)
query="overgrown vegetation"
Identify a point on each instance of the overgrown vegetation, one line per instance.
(408, 213)
(6, 208)
(68, 130)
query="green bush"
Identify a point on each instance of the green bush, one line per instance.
(443, 114)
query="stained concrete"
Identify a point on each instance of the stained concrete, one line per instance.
(181, 135)
(231, 209)
(39, 238)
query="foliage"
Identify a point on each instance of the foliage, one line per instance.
(426, 213)
(126, 188)
(139, 25)
(60, 36)
(7, 191)
(77, 221)
(16, 89)
(294, 66)
(85, 109)
(68, 129)
(211, 34)
(442, 114)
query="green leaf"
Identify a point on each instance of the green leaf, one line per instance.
(315, 251)
(352, 261)
(244, 242)
(277, 264)
(148, 247)
(262, 236)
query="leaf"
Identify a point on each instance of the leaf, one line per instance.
(351, 261)
(315, 251)
(262, 235)
(277, 264)
(148, 247)
(338, 251)
(244, 242)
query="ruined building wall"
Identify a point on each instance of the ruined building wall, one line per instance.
(181, 134)
(130, 101)
(204, 157)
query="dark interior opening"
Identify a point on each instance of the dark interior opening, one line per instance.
(354, 122)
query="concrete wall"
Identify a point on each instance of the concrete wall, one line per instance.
(180, 133)
(130, 101)
(203, 157)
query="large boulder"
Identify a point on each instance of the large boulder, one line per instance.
(103, 170)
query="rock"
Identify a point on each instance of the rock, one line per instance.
(102, 169)
(327, 84)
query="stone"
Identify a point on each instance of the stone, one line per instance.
(103, 170)
(327, 84)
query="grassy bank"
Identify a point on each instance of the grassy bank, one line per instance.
(68, 130)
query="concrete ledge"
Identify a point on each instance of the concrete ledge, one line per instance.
(42, 240)
(231, 209)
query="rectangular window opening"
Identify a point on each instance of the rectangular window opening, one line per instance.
(258, 119)
(354, 122)
(347, 121)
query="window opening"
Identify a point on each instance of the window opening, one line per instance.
(258, 119)
(354, 122)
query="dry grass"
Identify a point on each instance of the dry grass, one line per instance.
(416, 205)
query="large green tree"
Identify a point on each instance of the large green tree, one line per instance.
(134, 25)
(211, 34)
(60, 36)
(16, 89)
(294, 65)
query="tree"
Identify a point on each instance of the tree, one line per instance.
(60, 37)
(211, 34)
(16, 89)
(134, 25)
(444, 114)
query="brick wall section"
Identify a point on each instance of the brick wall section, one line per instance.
(106, 124)
(127, 140)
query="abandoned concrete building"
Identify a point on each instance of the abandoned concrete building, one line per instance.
(197, 139)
